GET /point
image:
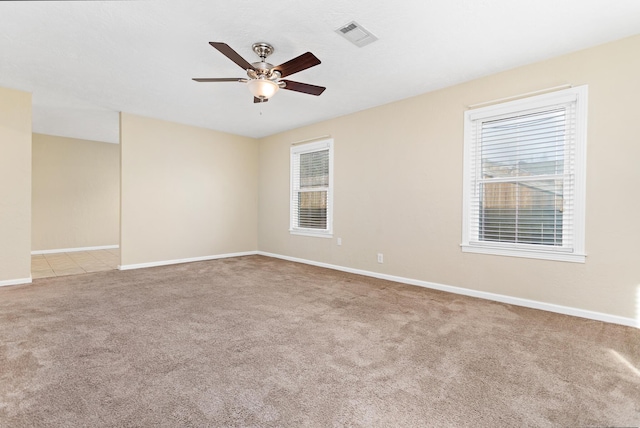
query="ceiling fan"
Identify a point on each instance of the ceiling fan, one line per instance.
(263, 78)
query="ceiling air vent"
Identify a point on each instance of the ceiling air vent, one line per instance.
(356, 34)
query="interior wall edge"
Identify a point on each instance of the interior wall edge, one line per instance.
(501, 298)
(15, 185)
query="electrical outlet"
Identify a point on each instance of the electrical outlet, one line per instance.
(339, 241)
(380, 258)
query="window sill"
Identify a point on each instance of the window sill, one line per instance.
(529, 254)
(323, 234)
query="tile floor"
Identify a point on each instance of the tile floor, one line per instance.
(60, 264)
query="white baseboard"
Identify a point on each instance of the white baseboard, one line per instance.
(550, 307)
(189, 260)
(73, 250)
(16, 281)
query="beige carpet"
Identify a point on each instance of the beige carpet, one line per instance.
(255, 341)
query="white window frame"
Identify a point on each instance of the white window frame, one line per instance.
(296, 151)
(574, 251)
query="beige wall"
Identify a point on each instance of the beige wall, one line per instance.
(15, 186)
(398, 188)
(75, 193)
(186, 192)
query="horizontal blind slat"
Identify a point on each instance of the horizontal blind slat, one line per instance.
(522, 176)
(310, 187)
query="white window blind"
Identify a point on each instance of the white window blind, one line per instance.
(311, 188)
(524, 177)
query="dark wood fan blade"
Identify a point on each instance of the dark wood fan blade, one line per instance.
(216, 79)
(258, 100)
(304, 61)
(303, 87)
(232, 55)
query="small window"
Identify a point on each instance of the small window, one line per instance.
(312, 189)
(524, 174)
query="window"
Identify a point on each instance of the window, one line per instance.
(312, 189)
(524, 175)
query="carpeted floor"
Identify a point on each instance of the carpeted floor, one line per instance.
(255, 341)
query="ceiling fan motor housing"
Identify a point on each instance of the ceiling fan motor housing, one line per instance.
(263, 70)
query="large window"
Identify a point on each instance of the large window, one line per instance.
(312, 188)
(524, 177)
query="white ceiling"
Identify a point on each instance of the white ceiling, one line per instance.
(86, 60)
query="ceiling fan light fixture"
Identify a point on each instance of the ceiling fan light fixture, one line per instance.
(263, 79)
(263, 88)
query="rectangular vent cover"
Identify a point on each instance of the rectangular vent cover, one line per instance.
(356, 34)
